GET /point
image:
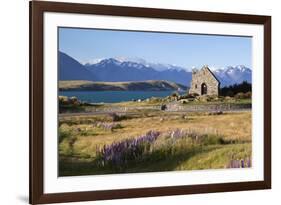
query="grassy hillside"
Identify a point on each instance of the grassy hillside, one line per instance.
(151, 85)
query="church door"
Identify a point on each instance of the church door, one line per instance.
(203, 89)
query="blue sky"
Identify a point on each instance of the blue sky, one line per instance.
(186, 50)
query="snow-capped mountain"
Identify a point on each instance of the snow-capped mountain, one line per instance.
(155, 66)
(136, 69)
(136, 60)
(114, 70)
(231, 75)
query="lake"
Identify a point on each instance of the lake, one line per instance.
(114, 96)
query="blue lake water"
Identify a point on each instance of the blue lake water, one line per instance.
(113, 96)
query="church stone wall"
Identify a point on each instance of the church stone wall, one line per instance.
(204, 76)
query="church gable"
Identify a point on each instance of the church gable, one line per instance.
(204, 82)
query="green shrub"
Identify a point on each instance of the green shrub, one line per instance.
(175, 94)
(211, 140)
(115, 117)
(241, 95)
(64, 132)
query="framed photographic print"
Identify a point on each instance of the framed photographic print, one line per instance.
(139, 102)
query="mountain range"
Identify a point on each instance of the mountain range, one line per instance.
(231, 75)
(124, 70)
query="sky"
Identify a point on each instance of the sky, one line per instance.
(185, 50)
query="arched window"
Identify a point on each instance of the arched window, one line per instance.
(203, 89)
(195, 86)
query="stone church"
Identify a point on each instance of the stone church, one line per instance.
(204, 82)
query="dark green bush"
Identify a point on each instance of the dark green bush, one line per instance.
(232, 90)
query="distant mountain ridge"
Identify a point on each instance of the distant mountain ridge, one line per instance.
(71, 69)
(112, 70)
(136, 69)
(233, 75)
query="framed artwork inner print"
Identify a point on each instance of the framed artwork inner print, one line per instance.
(136, 102)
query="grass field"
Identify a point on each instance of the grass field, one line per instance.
(146, 141)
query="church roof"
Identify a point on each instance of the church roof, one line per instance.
(207, 68)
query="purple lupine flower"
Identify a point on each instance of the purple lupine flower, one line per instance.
(177, 134)
(118, 152)
(249, 162)
(242, 164)
(239, 163)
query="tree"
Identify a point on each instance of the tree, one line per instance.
(232, 90)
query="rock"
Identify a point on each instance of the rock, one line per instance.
(216, 113)
(203, 98)
(163, 107)
(63, 100)
(184, 101)
(185, 117)
(74, 101)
